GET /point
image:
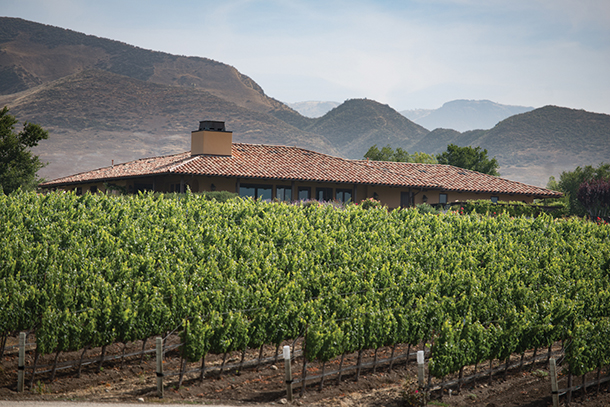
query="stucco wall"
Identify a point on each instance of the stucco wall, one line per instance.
(389, 196)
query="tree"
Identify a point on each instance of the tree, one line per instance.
(570, 181)
(469, 158)
(387, 153)
(18, 166)
(594, 196)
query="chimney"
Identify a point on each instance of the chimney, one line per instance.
(211, 138)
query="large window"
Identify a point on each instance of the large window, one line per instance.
(256, 191)
(494, 199)
(283, 193)
(344, 195)
(442, 198)
(304, 193)
(324, 194)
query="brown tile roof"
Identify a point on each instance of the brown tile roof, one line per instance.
(292, 163)
(450, 178)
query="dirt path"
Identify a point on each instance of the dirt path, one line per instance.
(131, 381)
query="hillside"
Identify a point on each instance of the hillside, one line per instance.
(96, 116)
(532, 146)
(104, 100)
(33, 54)
(464, 115)
(357, 124)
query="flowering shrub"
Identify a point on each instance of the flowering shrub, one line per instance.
(370, 203)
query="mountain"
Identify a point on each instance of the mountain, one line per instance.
(33, 54)
(532, 146)
(94, 117)
(463, 115)
(357, 124)
(104, 100)
(312, 108)
(416, 114)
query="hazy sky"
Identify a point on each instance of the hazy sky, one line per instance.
(408, 54)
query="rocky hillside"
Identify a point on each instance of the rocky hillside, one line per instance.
(104, 100)
(96, 116)
(532, 146)
(357, 124)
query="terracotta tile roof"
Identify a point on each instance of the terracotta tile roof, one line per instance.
(137, 168)
(450, 178)
(292, 163)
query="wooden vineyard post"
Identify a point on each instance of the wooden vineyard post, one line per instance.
(21, 366)
(420, 368)
(159, 343)
(421, 375)
(288, 369)
(554, 387)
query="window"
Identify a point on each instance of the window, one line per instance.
(324, 194)
(93, 189)
(405, 199)
(442, 198)
(494, 199)
(283, 193)
(256, 191)
(344, 195)
(304, 193)
(79, 190)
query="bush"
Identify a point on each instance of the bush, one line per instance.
(370, 203)
(426, 208)
(515, 209)
(219, 196)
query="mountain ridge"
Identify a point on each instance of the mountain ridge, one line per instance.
(104, 100)
(464, 115)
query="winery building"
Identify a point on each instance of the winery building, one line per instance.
(273, 172)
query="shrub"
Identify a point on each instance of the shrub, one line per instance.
(219, 196)
(370, 203)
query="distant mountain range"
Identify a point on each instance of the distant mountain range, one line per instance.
(103, 100)
(312, 108)
(464, 115)
(460, 115)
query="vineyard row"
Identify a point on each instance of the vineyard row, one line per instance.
(88, 271)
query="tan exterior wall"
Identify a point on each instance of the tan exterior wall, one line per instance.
(211, 142)
(389, 196)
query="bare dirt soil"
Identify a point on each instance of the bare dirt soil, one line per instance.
(134, 380)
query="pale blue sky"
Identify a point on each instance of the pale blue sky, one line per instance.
(408, 54)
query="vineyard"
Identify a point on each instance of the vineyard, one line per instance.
(93, 270)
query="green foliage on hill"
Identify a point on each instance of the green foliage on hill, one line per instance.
(387, 153)
(474, 159)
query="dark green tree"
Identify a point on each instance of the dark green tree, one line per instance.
(387, 153)
(570, 181)
(18, 166)
(595, 197)
(469, 158)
